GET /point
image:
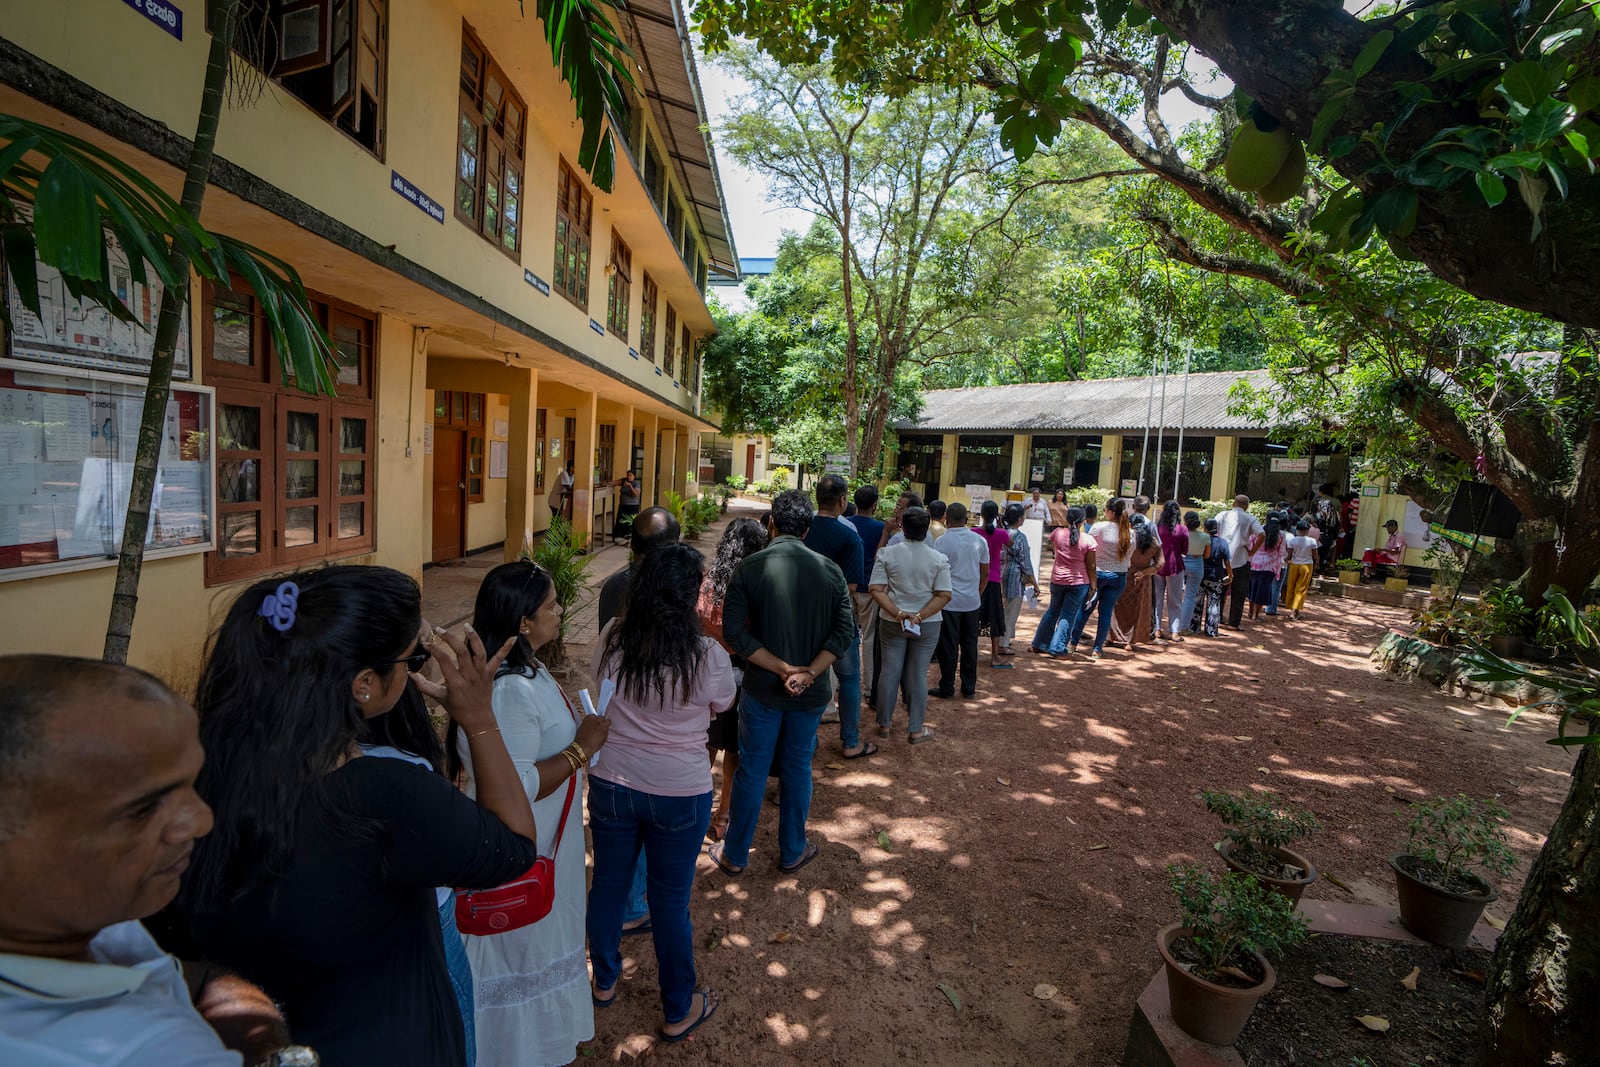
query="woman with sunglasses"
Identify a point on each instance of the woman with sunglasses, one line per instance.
(318, 881)
(532, 985)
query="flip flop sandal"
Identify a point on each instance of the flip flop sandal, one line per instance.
(715, 854)
(883, 731)
(867, 749)
(1002, 666)
(811, 852)
(925, 736)
(642, 928)
(603, 1003)
(708, 1007)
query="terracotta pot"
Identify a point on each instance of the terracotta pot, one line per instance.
(1507, 644)
(1435, 914)
(1289, 887)
(1211, 1013)
(1350, 577)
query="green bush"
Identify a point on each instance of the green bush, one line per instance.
(736, 481)
(561, 555)
(1507, 613)
(1231, 915)
(1259, 821)
(1450, 833)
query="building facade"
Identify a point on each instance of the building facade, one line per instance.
(495, 315)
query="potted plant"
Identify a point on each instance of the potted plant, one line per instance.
(1440, 899)
(1506, 619)
(1444, 623)
(1399, 579)
(1349, 571)
(1216, 956)
(1259, 829)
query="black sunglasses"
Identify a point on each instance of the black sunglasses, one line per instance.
(417, 660)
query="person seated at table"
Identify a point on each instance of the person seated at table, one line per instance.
(1377, 561)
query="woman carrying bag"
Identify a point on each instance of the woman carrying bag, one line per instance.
(531, 982)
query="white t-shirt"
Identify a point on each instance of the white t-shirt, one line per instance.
(1037, 509)
(1236, 526)
(969, 560)
(130, 1008)
(912, 571)
(563, 485)
(1303, 549)
(1107, 556)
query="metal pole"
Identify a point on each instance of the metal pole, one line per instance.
(1149, 411)
(1183, 416)
(1161, 427)
(1483, 517)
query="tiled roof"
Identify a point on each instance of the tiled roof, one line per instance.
(1109, 404)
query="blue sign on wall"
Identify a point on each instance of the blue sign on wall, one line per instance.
(634, 352)
(597, 328)
(536, 281)
(163, 14)
(427, 203)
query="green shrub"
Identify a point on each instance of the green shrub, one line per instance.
(1231, 915)
(561, 555)
(1449, 833)
(1259, 821)
(1506, 612)
(736, 481)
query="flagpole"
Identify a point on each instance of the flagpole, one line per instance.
(1183, 417)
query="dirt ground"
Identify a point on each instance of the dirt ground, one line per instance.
(1027, 845)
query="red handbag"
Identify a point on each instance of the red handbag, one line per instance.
(517, 903)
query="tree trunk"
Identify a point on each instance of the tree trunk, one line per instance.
(174, 304)
(1548, 958)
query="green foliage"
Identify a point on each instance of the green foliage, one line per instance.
(1232, 914)
(736, 482)
(1577, 691)
(1506, 612)
(1347, 564)
(778, 477)
(1259, 821)
(1449, 833)
(595, 64)
(562, 555)
(1445, 623)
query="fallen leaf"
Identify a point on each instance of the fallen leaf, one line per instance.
(1044, 991)
(883, 840)
(1208, 700)
(1070, 819)
(1097, 848)
(834, 766)
(1410, 980)
(1330, 981)
(1335, 880)
(1376, 1023)
(587, 1052)
(951, 995)
(780, 938)
(1243, 737)
(1495, 921)
(712, 943)
(1263, 770)
(1471, 976)
(1003, 781)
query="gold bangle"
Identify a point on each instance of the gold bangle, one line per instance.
(572, 761)
(583, 757)
(480, 733)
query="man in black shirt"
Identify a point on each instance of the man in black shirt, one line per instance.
(788, 613)
(835, 537)
(654, 527)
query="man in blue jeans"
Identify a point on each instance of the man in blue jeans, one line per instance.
(834, 536)
(788, 613)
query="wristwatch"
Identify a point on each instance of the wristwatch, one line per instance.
(294, 1056)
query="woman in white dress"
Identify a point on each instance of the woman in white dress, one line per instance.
(532, 984)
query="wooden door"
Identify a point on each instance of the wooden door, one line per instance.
(449, 493)
(750, 463)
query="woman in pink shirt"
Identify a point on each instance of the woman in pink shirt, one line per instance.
(1069, 584)
(651, 786)
(992, 610)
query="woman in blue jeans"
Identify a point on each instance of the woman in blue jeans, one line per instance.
(650, 787)
(1113, 539)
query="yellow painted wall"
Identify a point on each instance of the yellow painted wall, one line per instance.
(486, 522)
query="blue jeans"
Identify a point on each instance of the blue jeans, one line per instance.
(1066, 601)
(455, 960)
(1194, 567)
(847, 669)
(669, 830)
(638, 905)
(791, 736)
(1277, 591)
(1110, 585)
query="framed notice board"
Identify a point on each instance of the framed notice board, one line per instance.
(67, 443)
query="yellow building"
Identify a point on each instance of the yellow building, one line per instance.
(495, 315)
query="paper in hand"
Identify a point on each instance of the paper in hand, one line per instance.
(912, 628)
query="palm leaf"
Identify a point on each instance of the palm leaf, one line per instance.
(592, 61)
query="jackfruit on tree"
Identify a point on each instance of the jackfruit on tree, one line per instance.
(1290, 176)
(1256, 155)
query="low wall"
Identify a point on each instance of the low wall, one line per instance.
(1411, 657)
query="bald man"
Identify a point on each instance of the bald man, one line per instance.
(1236, 526)
(654, 527)
(98, 816)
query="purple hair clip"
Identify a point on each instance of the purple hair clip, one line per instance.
(278, 607)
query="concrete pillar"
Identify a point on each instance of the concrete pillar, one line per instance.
(669, 459)
(1021, 454)
(624, 458)
(1224, 468)
(583, 468)
(1111, 462)
(649, 491)
(524, 504)
(681, 468)
(694, 457)
(947, 466)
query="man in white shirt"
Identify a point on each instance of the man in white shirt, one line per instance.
(561, 494)
(969, 574)
(1037, 508)
(98, 816)
(1236, 526)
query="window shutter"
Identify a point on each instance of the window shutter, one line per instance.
(304, 35)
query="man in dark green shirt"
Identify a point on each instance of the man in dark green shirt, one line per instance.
(788, 613)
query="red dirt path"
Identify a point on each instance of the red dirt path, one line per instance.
(1027, 845)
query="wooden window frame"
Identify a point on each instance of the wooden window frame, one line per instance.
(619, 286)
(540, 422)
(647, 318)
(574, 225)
(669, 351)
(500, 156)
(683, 353)
(462, 416)
(368, 456)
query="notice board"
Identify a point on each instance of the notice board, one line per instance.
(67, 443)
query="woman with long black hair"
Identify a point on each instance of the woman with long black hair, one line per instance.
(318, 881)
(651, 788)
(740, 539)
(992, 606)
(533, 1007)
(1113, 546)
(1171, 580)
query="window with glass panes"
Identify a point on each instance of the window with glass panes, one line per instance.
(491, 132)
(683, 353)
(574, 214)
(667, 352)
(619, 287)
(539, 447)
(647, 319)
(295, 472)
(606, 453)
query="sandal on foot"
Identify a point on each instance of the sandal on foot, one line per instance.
(642, 928)
(917, 739)
(594, 995)
(708, 1007)
(715, 855)
(718, 828)
(810, 853)
(867, 749)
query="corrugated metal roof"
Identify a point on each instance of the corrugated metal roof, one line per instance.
(1110, 404)
(672, 86)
